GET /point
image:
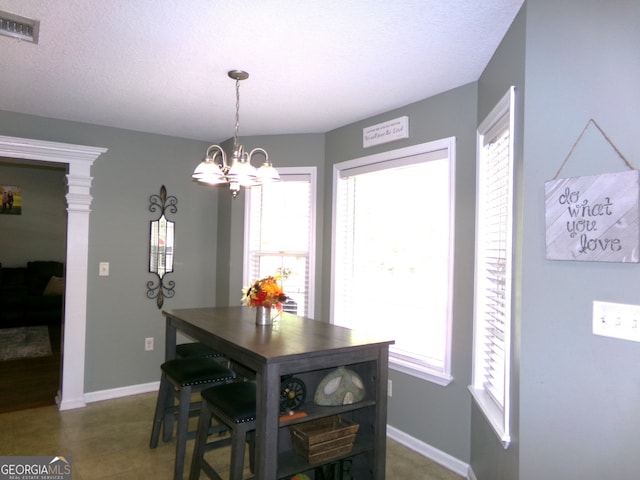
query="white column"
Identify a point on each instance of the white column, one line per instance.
(79, 199)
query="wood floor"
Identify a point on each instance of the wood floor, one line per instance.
(31, 382)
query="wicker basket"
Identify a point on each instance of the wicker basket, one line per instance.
(323, 439)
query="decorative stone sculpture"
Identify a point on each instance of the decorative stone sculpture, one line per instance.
(340, 387)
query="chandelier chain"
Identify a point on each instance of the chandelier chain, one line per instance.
(237, 127)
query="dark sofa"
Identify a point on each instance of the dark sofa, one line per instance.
(31, 295)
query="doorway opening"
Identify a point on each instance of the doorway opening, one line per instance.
(32, 252)
(79, 159)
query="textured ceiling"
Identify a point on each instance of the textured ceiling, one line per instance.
(161, 65)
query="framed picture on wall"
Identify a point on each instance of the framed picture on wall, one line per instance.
(11, 200)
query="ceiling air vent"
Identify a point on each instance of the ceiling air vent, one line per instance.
(19, 27)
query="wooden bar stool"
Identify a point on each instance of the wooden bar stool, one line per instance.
(180, 378)
(234, 405)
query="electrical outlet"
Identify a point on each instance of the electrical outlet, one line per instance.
(389, 388)
(148, 344)
(103, 269)
(617, 320)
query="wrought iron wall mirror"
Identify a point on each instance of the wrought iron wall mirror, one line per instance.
(161, 244)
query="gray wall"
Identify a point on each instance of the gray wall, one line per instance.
(119, 316)
(580, 393)
(39, 233)
(438, 416)
(576, 394)
(489, 460)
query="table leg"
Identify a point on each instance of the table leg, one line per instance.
(267, 408)
(169, 341)
(381, 414)
(169, 354)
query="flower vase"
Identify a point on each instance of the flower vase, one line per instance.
(263, 315)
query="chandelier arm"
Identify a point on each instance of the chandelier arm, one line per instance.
(262, 151)
(217, 150)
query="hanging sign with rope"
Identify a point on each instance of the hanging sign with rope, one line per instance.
(593, 218)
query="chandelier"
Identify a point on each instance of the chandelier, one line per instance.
(239, 172)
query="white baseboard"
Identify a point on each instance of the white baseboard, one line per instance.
(432, 453)
(471, 475)
(121, 392)
(70, 404)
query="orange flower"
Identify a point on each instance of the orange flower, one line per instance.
(265, 292)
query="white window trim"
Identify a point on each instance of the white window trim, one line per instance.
(312, 172)
(443, 378)
(498, 418)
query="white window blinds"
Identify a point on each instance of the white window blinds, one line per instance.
(495, 309)
(392, 255)
(279, 236)
(494, 265)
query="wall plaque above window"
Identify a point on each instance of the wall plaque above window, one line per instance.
(593, 218)
(385, 132)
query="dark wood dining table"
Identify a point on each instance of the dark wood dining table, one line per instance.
(308, 349)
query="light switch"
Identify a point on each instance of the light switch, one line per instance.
(103, 269)
(617, 320)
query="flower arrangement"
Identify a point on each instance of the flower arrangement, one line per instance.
(265, 292)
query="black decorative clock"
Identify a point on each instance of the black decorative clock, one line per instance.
(292, 393)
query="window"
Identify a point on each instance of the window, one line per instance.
(393, 253)
(280, 235)
(494, 266)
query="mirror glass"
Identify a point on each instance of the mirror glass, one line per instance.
(161, 256)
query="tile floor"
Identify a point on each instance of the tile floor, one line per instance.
(109, 440)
